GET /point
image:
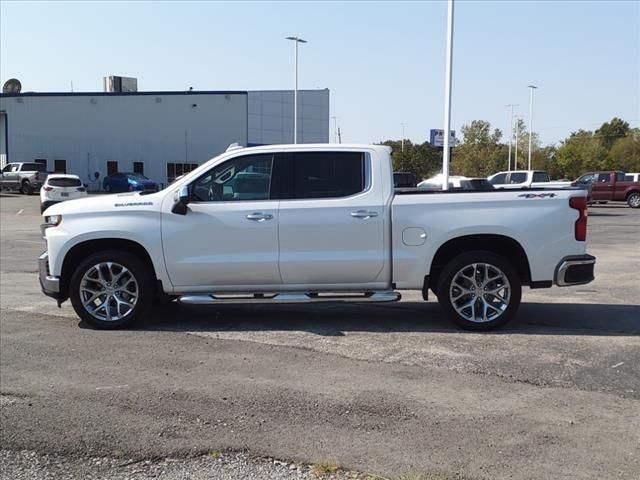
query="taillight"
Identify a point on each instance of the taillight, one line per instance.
(47, 188)
(580, 204)
(81, 189)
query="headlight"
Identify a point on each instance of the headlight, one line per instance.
(53, 220)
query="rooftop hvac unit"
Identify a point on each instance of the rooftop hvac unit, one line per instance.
(114, 83)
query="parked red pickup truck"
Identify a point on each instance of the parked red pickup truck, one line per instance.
(611, 187)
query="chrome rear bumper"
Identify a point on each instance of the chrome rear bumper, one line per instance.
(575, 270)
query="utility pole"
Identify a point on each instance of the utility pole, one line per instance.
(532, 88)
(447, 97)
(296, 40)
(339, 136)
(511, 132)
(335, 129)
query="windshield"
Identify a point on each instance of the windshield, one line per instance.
(136, 176)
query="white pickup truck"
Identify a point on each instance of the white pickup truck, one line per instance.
(311, 223)
(24, 177)
(524, 179)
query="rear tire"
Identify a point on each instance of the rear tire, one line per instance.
(633, 200)
(479, 290)
(26, 188)
(112, 289)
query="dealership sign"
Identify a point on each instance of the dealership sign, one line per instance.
(436, 138)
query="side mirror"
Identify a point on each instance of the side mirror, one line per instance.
(181, 200)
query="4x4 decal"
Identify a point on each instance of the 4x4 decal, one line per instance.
(537, 195)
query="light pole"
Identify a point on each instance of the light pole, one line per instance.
(296, 40)
(335, 129)
(532, 88)
(511, 132)
(403, 125)
(515, 163)
(447, 97)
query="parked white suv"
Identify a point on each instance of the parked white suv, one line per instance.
(311, 223)
(60, 187)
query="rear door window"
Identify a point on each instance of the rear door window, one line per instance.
(619, 177)
(604, 177)
(518, 177)
(33, 167)
(540, 177)
(328, 174)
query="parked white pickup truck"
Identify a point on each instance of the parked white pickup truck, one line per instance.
(311, 223)
(24, 177)
(518, 179)
(524, 179)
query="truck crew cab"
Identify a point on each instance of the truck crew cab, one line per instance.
(311, 223)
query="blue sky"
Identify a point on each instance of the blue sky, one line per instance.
(383, 61)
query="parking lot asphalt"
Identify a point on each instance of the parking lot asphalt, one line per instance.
(383, 388)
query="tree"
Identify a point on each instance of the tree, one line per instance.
(480, 154)
(614, 146)
(625, 152)
(611, 131)
(423, 160)
(545, 159)
(579, 153)
(521, 132)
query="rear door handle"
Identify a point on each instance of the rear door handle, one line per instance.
(364, 214)
(259, 216)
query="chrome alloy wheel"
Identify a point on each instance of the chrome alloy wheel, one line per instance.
(109, 291)
(480, 292)
(634, 200)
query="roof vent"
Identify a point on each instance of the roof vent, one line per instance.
(12, 85)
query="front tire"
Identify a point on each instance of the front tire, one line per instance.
(633, 200)
(112, 289)
(479, 290)
(45, 205)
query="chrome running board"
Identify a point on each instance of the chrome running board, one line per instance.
(217, 299)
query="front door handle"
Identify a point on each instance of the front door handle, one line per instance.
(364, 214)
(259, 216)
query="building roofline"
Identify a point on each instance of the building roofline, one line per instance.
(123, 94)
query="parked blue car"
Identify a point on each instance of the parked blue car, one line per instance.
(128, 182)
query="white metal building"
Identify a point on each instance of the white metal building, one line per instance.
(271, 116)
(159, 134)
